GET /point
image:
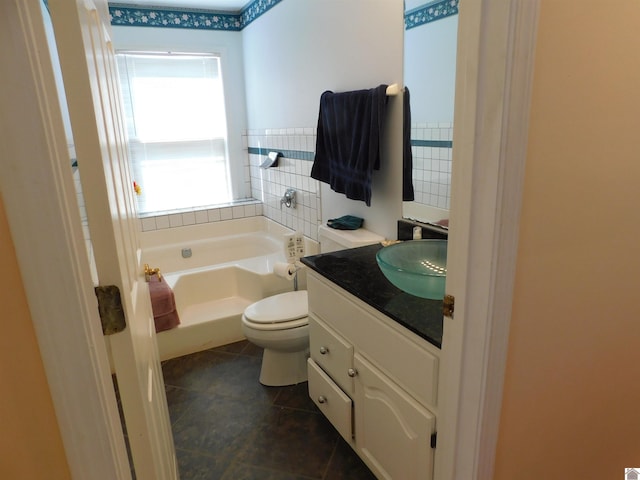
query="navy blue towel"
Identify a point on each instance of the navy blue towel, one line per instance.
(350, 127)
(407, 157)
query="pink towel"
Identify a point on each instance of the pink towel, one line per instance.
(163, 304)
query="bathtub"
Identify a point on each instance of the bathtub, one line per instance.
(216, 270)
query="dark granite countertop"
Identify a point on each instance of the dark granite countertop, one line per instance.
(357, 271)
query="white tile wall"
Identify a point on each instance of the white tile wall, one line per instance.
(432, 165)
(247, 208)
(269, 185)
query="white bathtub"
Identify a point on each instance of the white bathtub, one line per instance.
(230, 267)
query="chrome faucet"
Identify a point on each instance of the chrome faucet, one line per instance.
(289, 199)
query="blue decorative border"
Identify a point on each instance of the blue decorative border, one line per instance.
(432, 143)
(254, 9)
(295, 154)
(123, 14)
(430, 12)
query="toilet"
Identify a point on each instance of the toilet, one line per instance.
(280, 325)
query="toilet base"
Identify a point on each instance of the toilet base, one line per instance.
(283, 368)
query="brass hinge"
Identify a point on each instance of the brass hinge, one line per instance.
(110, 309)
(448, 305)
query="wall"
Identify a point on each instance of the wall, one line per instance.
(29, 440)
(298, 50)
(293, 171)
(289, 60)
(430, 71)
(571, 395)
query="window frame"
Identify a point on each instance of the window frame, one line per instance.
(237, 177)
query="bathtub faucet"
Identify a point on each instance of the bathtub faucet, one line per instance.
(148, 271)
(289, 199)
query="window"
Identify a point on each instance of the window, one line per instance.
(177, 129)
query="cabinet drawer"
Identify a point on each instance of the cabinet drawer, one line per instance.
(331, 352)
(332, 402)
(401, 354)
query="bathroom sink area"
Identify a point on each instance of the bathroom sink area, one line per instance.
(417, 267)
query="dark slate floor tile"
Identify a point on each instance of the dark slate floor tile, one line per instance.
(296, 396)
(196, 466)
(243, 347)
(178, 400)
(237, 376)
(252, 350)
(226, 425)
(193, 372)
(294, 442)
(346, 465)
(238, 471)
(216, 425)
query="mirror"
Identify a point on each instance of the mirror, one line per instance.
(430, 41)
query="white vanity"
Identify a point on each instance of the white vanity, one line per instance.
(373, 376)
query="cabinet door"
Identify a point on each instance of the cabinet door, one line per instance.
(393, 431)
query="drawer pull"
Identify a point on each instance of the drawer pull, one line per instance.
(322, 399)
(324, 350)
(352, 372)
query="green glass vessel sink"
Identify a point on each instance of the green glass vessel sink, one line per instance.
(418, 267)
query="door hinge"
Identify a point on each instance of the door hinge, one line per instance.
(448, 305)
(110, 309)
(434, 439)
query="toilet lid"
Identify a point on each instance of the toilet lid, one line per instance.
(279, 308)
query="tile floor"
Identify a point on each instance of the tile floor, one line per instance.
(226, 425)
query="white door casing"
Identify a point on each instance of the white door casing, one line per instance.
(87, 59)
(42, 209)
(494, 72)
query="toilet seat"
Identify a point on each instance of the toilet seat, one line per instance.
(278, 312)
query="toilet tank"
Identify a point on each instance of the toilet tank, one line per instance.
(332, 239)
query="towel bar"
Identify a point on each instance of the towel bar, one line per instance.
(393, 90)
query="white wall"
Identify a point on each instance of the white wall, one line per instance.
(430, 69)
(301, 48)
(429, 73)
(229, 45)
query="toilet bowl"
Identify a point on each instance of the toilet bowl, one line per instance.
(279, 324)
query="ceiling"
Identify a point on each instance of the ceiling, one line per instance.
(218, 5)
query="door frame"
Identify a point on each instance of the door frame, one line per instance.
(494, 77)
(42, 210)
(495, 48)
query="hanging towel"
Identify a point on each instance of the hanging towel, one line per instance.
(163, 303)
(407, 156)
(348, 140)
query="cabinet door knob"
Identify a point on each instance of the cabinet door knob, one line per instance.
(322, 399)
(352, 372)
(324, 350)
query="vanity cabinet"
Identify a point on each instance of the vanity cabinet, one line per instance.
(374, 380)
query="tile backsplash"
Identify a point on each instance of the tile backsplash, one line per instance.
(239, 209)
(297, 146)
(431, 145)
